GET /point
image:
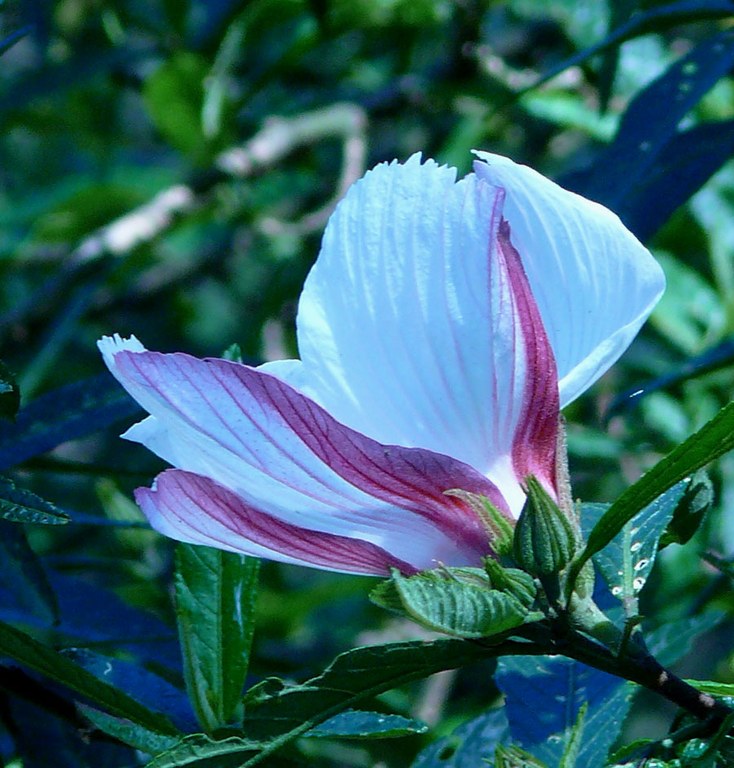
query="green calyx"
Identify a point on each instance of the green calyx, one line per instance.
(545, 540)
(511, 581)
(498, 527)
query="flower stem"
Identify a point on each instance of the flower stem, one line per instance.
(639, 666)
(626, 658)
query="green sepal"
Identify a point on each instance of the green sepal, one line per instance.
(545, 539)
(512, 581)
(233, 353)
(498, 527)
(457, 601)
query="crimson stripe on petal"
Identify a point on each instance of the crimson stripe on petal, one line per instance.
(411, 478)
(192, 508)
(536, 434)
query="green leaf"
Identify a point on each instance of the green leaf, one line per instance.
(215, 603)
(204, 752)
(643, 22)
(9, 393)
(499, 528)
(353, 677)
(712, 687)
(544, 698)
(513, 756)
(21, 506)
(573, 739)
(216, 108)
(145, 686)
(512, 581)
(174, 96)
(73, 411)
(356, 724)
(692, 508)
(472, 744)
(626, 562)
(673, 641)
(683, 166)
(651, 167)
(654, 115)
(27, 651)
(25, 592)
(123, 730)
(715, 438)
(457, 601)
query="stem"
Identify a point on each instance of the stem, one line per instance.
(634, 663)
(640, 667)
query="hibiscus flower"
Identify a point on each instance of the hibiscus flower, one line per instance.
(442, 328)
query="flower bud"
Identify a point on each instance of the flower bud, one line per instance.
(511, 581)
(545, 540)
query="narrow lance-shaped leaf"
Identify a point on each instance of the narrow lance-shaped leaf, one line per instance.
(648, 155)
(215, 601)
(353, 677)
(273, 718)
(683, 166)
(129, 733)
(25, 592)
(574, 740)
(641, 23)
(27, 651)
(70, 412)
(21, 506)
(145, 686)
(355, 724)
(200, 751)
(715, 438)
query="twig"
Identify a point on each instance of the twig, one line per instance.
(277, 139)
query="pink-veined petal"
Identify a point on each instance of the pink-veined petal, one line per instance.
(535, 436)
(593, 281)
(408, 327)
(195, 509)
(283, 454)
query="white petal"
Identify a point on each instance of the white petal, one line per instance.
(593, 281)
(282, 455)
(406, 325)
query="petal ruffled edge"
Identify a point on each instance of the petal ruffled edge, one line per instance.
(411, 331)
